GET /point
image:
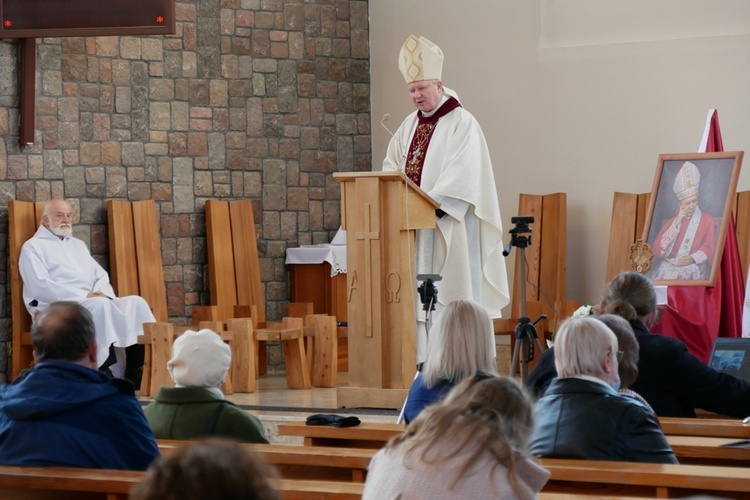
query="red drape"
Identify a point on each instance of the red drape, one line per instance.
(696, 314)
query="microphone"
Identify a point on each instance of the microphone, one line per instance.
(385, 118)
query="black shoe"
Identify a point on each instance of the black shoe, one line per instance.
(134, 376)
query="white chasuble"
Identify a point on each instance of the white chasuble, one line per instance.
(466, 249)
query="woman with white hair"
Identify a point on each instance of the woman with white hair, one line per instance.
(461, 345)
(196, 407)
(581, 415)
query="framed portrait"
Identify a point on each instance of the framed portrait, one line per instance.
(688, 214)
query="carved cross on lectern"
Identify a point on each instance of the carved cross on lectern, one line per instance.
(368, 235)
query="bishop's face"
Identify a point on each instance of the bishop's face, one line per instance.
(426, 94)
(60, 219)
(688, 205)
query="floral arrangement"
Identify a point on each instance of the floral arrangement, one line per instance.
(584, 311)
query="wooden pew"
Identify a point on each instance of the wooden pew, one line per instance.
(709, 450)
(640, 479)
(303, 462)
(58, 483)
(364, 435)
(709, 427)
(66, 483)
(24, 218)
(688, 449)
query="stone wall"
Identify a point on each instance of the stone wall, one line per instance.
(260, 99)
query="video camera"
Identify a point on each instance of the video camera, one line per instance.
(521, 227)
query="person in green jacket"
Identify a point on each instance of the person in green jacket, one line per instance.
(196, 407)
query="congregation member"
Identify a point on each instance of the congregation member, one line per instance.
(673, 381)
(213, 468)
(442, 149)
(196, 407)
(66, 413)
(581, 415)
(473, 444)
(461, 345)
(627, 367)
(56, 266)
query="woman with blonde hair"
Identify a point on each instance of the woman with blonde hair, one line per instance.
(581, 415)
(473, 444)
(460, 345)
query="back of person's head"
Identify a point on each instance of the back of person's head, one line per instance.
(484, 413)
(461, 344)
(208, 469)
(64, 331)
(630, 295)
(581, 346)
(199, 359)
(627, 345)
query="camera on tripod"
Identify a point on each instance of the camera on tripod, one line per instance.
(517, 239)
(428, 293)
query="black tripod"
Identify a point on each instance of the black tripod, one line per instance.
(525, 333)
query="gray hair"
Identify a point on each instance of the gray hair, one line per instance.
(581, 345)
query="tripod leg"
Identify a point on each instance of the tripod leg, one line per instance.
(514, 362)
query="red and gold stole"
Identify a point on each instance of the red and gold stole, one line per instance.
(421, 140)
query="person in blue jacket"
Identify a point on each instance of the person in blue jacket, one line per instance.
(461, 345)
(64, 412)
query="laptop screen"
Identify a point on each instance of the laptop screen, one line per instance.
(732, 356)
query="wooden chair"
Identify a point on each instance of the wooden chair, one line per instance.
(629, 217)
(24, 218)
(235, 285)
(545, 270)
(136, 269)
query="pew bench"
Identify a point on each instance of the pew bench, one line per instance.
(709, 427)
(709, 450)
(66, 483)
(364, 435)
(641, 479)
(58, 483)
(303, 462)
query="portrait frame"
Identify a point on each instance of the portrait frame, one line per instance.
(719, 173)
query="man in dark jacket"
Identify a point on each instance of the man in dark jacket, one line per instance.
(581, 415)
(66, 413)
(673, 381)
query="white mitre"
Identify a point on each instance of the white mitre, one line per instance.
(687, 181)
(420, 59)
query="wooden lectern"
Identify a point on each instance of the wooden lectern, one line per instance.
(380, 212)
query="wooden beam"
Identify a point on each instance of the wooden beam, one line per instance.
(28, 90)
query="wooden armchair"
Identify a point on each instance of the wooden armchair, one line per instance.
(629, 217)
(136, 269)
(545, 270)
(24, 218)
(235, 286)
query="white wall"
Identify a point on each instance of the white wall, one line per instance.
(579, 96)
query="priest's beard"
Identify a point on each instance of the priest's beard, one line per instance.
(63, 230)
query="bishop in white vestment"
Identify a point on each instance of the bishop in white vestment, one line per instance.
(441, 147)
(56, 266)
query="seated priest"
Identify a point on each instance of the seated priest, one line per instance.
(56, 266)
